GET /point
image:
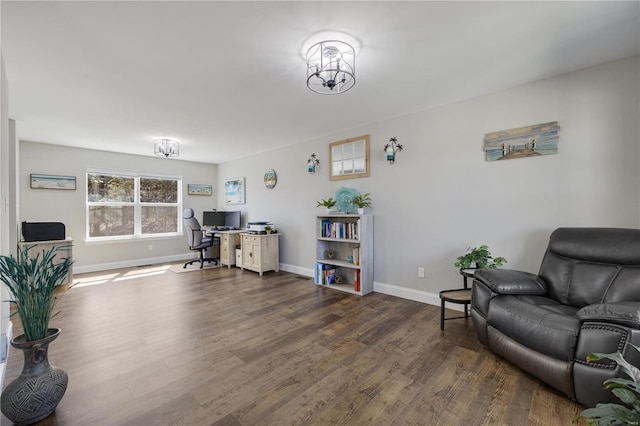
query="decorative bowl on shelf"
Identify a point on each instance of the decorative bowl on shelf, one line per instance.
(344, 199)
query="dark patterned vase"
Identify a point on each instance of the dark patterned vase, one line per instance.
(35, 394)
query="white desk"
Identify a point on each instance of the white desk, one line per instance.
(229, 240)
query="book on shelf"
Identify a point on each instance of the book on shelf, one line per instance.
(356, 255)
(320, 273)
(339, 230)
(356, 280)
(325, 274)
(325, 228)
(330, 276)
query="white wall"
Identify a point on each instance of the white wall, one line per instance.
(69, 206)
(441, 196)
(8, 152)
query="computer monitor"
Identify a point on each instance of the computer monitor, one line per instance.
(213, 219)
(232, 219)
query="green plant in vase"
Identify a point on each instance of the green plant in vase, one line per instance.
(328, 203)
(32, 283)
(479, 257)
(362, 201)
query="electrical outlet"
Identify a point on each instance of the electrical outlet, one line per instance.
(420, 272)
(150, 247)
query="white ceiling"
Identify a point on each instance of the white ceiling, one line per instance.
(228, 78)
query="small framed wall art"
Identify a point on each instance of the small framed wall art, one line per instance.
(39, 181)
(198, 189)
(234, 191)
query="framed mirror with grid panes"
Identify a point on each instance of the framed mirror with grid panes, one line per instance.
(349, 158)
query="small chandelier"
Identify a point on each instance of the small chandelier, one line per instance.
(391, 149)
(165, 147)
(331, 67)
(312, 162)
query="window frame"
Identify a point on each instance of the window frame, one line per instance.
(137, 206)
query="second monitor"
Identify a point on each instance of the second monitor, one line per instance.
(221, 220)
(232, 220)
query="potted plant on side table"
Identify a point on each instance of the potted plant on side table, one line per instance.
(478, 258)
(32, 282)
(475, 258)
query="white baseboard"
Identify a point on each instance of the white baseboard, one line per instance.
(390, 289)
(307, 272)
(131, 263)
(411, 294)
(166, 259)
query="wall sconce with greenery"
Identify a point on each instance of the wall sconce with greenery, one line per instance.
(392, 149)
(312, 163)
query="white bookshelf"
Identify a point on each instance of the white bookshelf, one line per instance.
(343, 234)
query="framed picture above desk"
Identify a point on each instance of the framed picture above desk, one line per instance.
(234, 191)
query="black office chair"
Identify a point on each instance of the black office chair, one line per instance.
(197, 239)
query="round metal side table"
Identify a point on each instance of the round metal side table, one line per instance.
(461, 296)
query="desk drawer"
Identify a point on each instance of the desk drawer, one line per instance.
(250, 239)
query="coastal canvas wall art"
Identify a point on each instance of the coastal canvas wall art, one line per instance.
(40, 181)
(199, 189)
(528, 141)
(234, 191)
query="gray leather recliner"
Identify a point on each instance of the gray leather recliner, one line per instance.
(585, 298)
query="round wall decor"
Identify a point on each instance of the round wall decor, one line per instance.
(270, 179)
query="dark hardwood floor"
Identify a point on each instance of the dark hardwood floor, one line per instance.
(149, 346)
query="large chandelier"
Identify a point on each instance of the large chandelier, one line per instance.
(331, 67)
(166, 147)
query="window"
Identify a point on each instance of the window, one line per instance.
(120, 205)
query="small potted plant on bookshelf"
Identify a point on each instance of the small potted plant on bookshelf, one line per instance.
(362, 201)
(479, 258)
(328, 203)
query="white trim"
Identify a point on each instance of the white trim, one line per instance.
(411, 294)
(132, 238)
(133, 173)
(389, 289)
(378, 287)
(137, 204)
(132, 263)
(307, 272)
